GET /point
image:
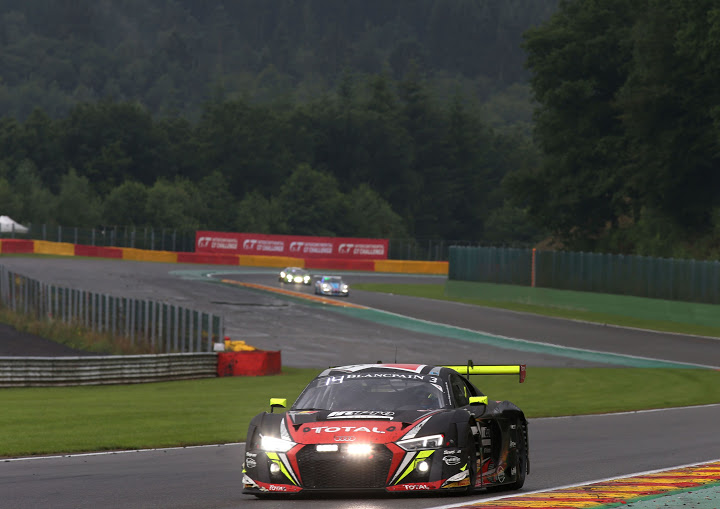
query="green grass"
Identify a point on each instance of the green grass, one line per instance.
(623, 310)
(209, 411)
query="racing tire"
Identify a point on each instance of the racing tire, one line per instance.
(522, 464)
(470, 452)
(522, 458)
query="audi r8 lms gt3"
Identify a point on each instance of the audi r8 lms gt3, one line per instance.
(331, 285)
(391, 428)
(294, 275)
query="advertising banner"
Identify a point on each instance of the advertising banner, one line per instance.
(297, 246)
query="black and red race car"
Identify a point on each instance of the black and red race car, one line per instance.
(389, 427)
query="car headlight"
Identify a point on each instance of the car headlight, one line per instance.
(345, 288)
(282, 275)
(272, 444)
(422, 443)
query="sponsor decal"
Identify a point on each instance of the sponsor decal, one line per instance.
(388, 375)
(251, 454)
(275, 487)
(501, 474)
(345, 248)
(311, 248)
(360, 414)
(217, 243)
(369, 250)
(452, 451)
(339, 438)
(346, 429)
(412, 487)
(264, 246)
(250, 463)
(451, 460)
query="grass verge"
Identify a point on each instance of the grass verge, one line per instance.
(625, 311)
(209, 411)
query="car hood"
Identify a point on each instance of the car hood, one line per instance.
(322, 426)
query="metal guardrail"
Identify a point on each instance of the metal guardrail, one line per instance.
(102, 370)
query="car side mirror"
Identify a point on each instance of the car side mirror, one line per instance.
(478, 400)
(279, 403)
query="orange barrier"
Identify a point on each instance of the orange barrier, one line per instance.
(54, 248)
(411, 267)
(144, 255)
(255, 363)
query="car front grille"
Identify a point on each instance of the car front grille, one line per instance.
(328, 470)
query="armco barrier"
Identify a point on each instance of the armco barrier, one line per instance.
(102, 370)
(98, 251)
(218, 259)
(342, 264)
(17, 246)
(271, 261)
(127, 253)
(411, 267)
(143, 255)
(54, 248)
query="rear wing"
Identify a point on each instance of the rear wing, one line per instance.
(471, 369)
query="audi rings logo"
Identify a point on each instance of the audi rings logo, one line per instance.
(344, 439)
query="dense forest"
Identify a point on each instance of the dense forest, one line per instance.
(583, 124)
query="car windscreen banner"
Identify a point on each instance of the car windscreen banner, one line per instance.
(290, 245)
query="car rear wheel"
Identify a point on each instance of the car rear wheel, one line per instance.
(522, 457)
(470, 453)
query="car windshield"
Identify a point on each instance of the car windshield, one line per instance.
(332, 280)
(387, 392)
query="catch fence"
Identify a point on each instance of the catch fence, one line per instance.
(154, 326)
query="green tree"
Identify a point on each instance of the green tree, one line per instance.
(37, 204)
(257, 214)
(579, 61)
(312, 203)
(372, 217)
(169, 205)
(126, 205)
(76, 204)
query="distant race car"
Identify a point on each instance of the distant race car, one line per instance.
(331, 285)
(295, 275)
(389, 428)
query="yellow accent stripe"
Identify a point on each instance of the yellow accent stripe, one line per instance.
(421, 456)
(487, 370)
(618, 492)
(275, 459)
(301, 295)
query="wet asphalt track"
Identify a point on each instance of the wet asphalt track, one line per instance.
(564, 451)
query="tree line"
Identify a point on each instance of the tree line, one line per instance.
(378, 157)
(172, 54)
(628, 121)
